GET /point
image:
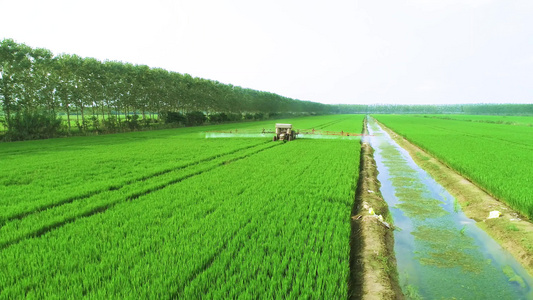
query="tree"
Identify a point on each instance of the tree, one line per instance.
(34, 81)
(15, 65)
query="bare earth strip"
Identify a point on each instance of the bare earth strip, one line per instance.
(373, 264)
(512, 231)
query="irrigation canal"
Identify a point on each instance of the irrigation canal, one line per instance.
(440, 253)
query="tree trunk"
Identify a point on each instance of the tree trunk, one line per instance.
(126, 112)
(82, 119)
(68, 119)
(7, 104)
(118, 116)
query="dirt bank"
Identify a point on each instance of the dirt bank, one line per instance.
(512, 231)
(372, 262)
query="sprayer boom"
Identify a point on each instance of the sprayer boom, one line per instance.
(325, 132)
(283, 132)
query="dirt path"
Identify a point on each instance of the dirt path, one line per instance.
(372, 261)
(512, 231)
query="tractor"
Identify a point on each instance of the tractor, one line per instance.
(284, 132)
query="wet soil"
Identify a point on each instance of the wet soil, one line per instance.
(372, 261)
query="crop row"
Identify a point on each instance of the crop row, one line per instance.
(279, 232)
(508, 120)
(40, 222)
(43, 174)
(497, 157)
(54, 177)
(267, 220)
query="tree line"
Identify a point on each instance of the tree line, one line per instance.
(43, 94)
(467, 109)
(36, 86)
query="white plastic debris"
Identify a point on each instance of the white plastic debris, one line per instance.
(380, 218)
(494, 214)
(370, 191)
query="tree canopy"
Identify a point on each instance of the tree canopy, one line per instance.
(36, 80)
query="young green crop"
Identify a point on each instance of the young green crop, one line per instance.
(38, 178)
(42, 174)
(507, 120)
(252, 218)
(495, 156)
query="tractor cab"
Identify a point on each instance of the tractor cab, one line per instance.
(284, 132)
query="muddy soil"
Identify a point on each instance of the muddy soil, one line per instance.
(512, 231)
(372, 261)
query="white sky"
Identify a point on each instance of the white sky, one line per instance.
(336, 51)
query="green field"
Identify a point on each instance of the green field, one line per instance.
(77, 118)
(497, 157)
(171, 214)
(507, 120)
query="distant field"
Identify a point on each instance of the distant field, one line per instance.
(508, 120)
(171, 214)
(74, 118)
(498, 157)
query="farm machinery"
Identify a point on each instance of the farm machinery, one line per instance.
(286, 133)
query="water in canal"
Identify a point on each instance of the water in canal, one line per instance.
(441, 254)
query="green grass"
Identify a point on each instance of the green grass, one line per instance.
(170, 214)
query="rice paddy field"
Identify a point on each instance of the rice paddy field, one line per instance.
(174, 214)
(507, 120)
(496, 155)
(171, 214)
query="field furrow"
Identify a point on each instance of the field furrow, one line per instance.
(41, 207)
(41, 222)
(271, 220)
